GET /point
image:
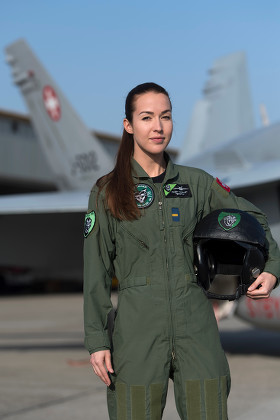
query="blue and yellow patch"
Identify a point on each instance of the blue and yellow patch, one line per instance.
(175, 214)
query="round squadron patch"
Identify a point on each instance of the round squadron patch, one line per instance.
(228, 220)
(90, 219)
(144, 196)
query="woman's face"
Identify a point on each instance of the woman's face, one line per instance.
(151, 124)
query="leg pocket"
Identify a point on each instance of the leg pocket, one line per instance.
(206, 399)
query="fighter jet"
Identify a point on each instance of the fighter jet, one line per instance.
(43, 231)
(223, 140)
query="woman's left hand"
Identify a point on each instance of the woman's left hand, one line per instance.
(266, 281)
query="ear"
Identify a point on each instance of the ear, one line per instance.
(127, 126)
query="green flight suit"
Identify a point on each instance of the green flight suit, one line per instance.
(165, 326)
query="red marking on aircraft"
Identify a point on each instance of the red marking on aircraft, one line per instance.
(264, 308)
(51, 103)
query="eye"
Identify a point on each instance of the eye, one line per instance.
(146, 118)
(166, 117)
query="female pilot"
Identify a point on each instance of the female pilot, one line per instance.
(139, 227)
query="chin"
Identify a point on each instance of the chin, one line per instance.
(156, 150)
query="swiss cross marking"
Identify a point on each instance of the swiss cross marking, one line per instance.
(51, 103)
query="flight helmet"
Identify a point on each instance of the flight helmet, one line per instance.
(229, 242)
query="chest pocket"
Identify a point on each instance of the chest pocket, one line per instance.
(132, 255)
(187, 239)
(178, 199)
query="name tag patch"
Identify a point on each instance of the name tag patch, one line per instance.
(175, 214)
(177, 190)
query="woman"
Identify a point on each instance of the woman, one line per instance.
(139, 227)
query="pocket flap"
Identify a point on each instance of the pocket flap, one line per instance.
(133, 282)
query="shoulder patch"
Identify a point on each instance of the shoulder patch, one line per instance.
(90, 219)
(223, 185)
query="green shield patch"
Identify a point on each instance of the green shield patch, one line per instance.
(229, 221)
(90, 220)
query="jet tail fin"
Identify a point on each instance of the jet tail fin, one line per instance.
(225, 111)
(75, 157)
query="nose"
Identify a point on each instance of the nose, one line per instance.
(158, 125)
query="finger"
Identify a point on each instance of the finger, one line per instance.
(97, 368)
(108, 363)
(92, 359)
(93, 367)
(263, 290)
(104, 375)
(258, 297)
(97, 361)
(99, 374)
(258, 293)
(256, 283)
(100, 369)
(93, 364)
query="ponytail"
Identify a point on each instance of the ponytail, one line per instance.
(120, 188)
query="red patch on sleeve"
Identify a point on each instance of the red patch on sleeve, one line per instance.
(223, 185)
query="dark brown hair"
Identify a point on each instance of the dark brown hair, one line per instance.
(119, 184)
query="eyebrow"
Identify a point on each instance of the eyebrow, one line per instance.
(152, 113)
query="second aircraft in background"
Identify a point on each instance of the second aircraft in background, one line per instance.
(43, 231)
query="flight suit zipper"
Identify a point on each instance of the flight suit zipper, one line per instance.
(162, 227)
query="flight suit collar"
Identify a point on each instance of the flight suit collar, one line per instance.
(139, 173)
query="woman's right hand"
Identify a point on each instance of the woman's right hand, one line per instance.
(100, 361)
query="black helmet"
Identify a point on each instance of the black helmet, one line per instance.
(229, 242)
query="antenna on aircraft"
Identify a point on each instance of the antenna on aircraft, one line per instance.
(264, 115)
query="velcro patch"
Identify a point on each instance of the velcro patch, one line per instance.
(90, 219)
(144, 195)
(228, 221)
(177, 190)
(223, 185)
(175, 214)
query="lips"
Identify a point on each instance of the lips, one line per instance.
(157, 139)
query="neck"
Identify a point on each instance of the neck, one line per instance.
(153, 165)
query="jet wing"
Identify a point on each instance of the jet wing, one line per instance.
(250, 160)
(261, 173)
(55, 202)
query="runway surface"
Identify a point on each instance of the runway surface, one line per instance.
(45, 372)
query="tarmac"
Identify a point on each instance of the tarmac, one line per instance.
(45, 371)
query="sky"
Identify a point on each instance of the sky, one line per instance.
(98, 50)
